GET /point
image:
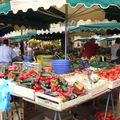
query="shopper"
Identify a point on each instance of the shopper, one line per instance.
(90, 49)
(114, 49)
(6, 53)
(17, 50)
(29, 50)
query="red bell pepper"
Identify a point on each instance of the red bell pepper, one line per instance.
(2, 72)
(11, 75)
(37, 77)
(31, 72)
(37, 87)
(2, 75)
(12, 68)
(79, 92)
(54, 84)
(68, 93)
(22, 76)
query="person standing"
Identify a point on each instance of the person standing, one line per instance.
(6, 53)
(17, 50)
(89, 49)
(114, 49)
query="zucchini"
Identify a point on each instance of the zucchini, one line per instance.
(43, 87)
(41, 83)
(64, 89)
(16, 73)
(62, 82)
(46, 74)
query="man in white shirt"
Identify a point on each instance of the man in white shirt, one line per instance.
(17, 50)
(114, 49)
(6, 53)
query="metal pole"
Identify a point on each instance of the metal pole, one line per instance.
(106, 108)
(66, 32)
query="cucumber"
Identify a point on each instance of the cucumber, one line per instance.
(64, 89)
(46, 74)
(26, 81)
(16, 73)
(18, 81)
(62, 82)
(41, 83)
(43, 87)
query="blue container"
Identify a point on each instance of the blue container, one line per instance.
(61, 66)
(28, 58)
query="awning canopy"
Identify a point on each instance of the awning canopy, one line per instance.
(89, 3)
(40, 19)
(112, 13)
(100, 26)
(49, 36)
(4, 29)
(87, 39)
(23, 37)
(35, 4)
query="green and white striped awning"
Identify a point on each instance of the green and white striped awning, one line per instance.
(100, 26)
(24, 5)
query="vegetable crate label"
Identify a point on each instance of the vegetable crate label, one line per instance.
(48, 101)
(114, 84)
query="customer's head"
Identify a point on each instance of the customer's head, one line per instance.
(92, 39)
(5, 41)
(117, 41)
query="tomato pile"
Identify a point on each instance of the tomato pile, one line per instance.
(109, 116)
(110, 74)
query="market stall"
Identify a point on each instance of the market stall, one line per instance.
(59, 92)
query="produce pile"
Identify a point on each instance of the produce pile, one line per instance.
(45, 81)
(110, 74)
(51, 84)
(65, 87)
(109, 116)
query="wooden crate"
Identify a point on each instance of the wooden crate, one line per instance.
(113, 84)
(27, 65)
(56, 103)
(19, 65)
(22, 91)
(97, 91)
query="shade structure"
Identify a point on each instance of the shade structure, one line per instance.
(49, 36)
(40, 19)
(35, 4)
(112, 13)
(4, 29)
(23, 37)
(5, 6)
(100, 26)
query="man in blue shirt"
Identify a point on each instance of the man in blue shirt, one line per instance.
(6, 53)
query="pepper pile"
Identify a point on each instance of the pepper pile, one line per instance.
(50, 83)
(110, 74)
(45, 81)
(8, 72)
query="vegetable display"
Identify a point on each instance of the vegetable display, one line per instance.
(110, 74)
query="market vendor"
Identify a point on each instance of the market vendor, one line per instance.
(114, 49)
(89, 49)
(7, 55)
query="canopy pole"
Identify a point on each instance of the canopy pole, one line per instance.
(66, 32)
